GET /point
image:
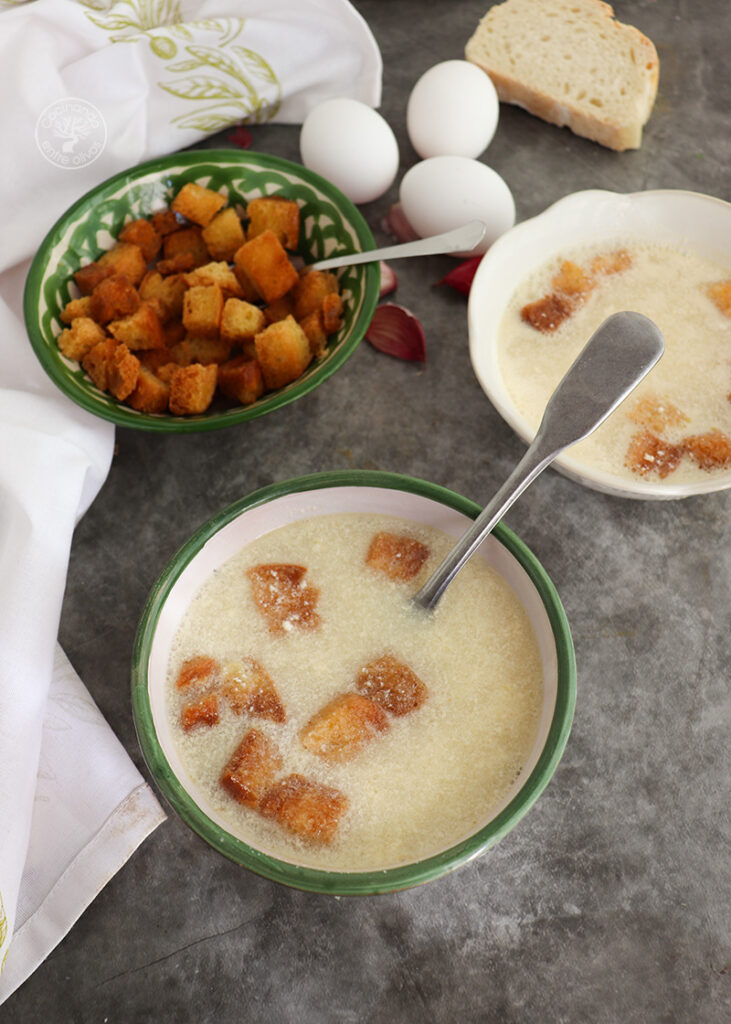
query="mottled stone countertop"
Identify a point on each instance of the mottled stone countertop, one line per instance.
(609, 902)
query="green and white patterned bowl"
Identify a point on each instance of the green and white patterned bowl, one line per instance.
(338, 492)
(330, 224)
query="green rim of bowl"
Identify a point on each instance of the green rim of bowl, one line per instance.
(366, 882)
(330, 223)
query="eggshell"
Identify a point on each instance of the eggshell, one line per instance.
(445, 192)
(352, 146)
(452, 111)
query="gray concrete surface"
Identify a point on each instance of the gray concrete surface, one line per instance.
(609, 903)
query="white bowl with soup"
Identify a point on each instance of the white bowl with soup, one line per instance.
(546, 285)
(417, 787)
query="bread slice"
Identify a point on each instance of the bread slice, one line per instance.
(571, 63)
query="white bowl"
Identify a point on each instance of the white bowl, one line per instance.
(670, 217)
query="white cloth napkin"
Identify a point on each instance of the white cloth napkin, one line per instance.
(159, 75)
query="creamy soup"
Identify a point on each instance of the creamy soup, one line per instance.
(425, 780)
(676, 426)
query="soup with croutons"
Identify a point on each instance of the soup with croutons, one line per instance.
(331, 724)
(676, 426)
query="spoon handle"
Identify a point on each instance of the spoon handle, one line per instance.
(533, 462)
(464, 238)
(611, 364)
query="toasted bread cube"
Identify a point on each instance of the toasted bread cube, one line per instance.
(159, 309)
(283, 352)
(198, 671)
(310, 289)
(123, 371)
(274, 213)
(241, 321)
(611, 262)
(201, 350)
(187, 241)
(547, 314)
(396, 555)
(166, 371)
(283, 596)
(280, 309)
(98, 360)
(153, 358)
(202, 310)
(88, 277)
(648, 453)
(392, 685)
(657, 414)
(114, 297)
(224, 235)
(178, 264)
(340, 730)
(200, 712)
(305, 808)
(314, 328)
(197, 203)
(266, 264)
(167, 291)
(709, 451)
(75, 308)
(165, 222)
(216, 273)
(572, 280)
(143, 234)
(126, 259)
(720, 294)
(173, 332)
(140, 330)
(241, 380)
(150, 394)
(192, 389)
(249, 689)
(80, 338)
(251, 768)
(332, 313)
(248, 291)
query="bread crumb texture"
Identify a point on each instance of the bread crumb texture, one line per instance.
(571, 63)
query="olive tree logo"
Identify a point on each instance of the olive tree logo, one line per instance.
(71, 133)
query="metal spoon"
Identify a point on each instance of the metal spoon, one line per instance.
(462, 239)
(611, 364)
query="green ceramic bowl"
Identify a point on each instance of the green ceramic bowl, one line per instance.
(329, 224)
(322, 494)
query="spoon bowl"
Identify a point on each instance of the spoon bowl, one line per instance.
(619, 354)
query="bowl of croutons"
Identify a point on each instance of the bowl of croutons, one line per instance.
(310, 723)
(176, 296)
(546, 286)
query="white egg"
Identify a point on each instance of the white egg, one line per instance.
(445, 192)
(452, 110)
(352, 146)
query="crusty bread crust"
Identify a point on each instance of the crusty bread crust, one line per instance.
(618, 132)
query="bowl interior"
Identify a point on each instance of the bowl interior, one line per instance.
(330, 223)
(324, 494)
(587, 218)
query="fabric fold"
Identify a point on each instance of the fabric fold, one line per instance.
(94, 87)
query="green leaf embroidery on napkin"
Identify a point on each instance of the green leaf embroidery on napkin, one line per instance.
(199, 88)
(236, 86)
(133, 16)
